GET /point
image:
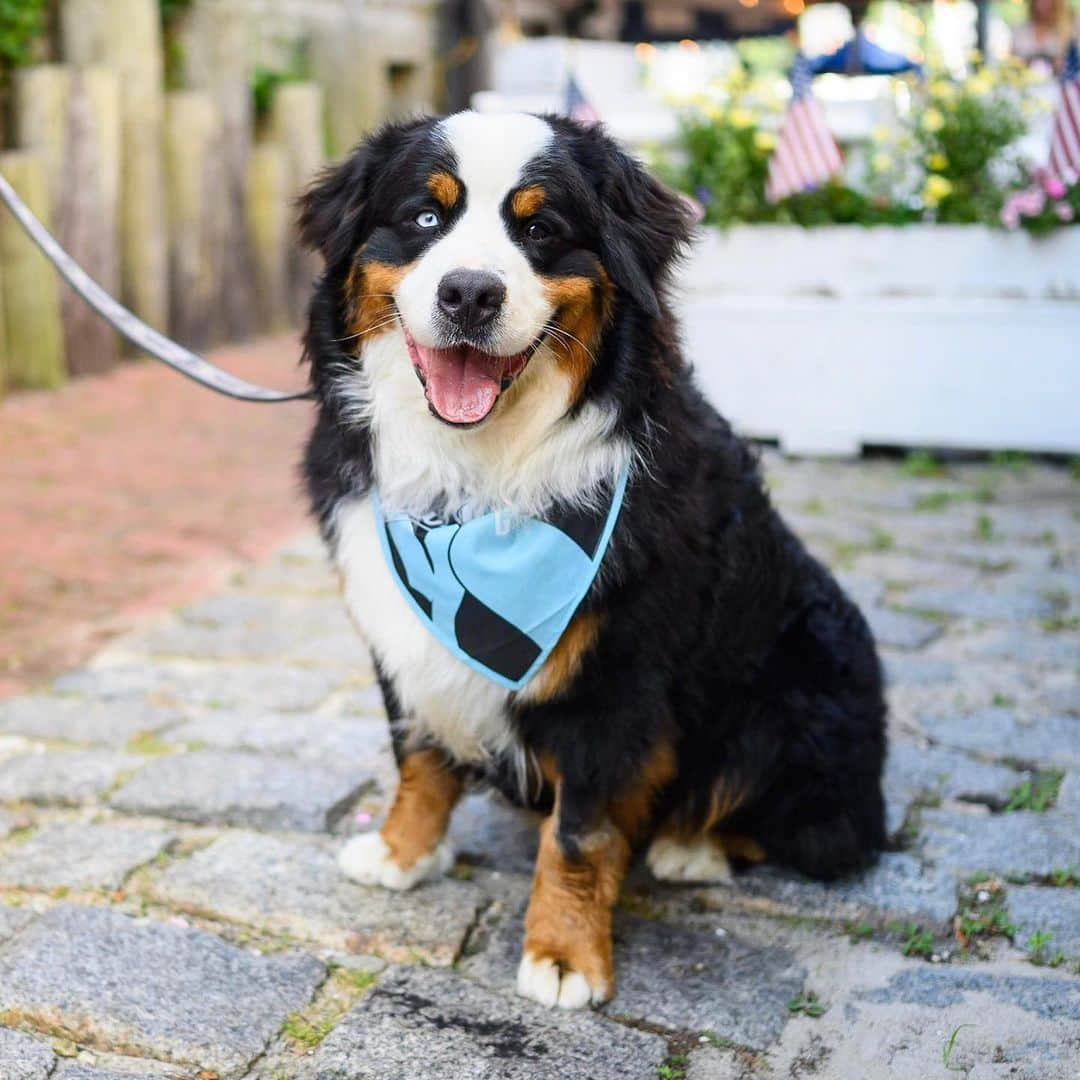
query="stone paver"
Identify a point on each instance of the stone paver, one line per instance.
(24, 1058)
(681, 979)
(344, 739)
(241, 789)
(1000, 733)
(897, 630)
(12, 920)
(898, 887)
(249, 727)
(419, 1024)
(295, 887)
(216, 686)
(1023, 842)
(72, 719)
(78, 856)
(167, 992)
(62, 776)
(1056, 911)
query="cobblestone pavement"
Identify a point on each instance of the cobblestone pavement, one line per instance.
(170, 907)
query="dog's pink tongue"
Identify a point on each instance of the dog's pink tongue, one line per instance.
(462, 384)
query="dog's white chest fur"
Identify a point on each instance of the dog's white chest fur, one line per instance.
(442, 697)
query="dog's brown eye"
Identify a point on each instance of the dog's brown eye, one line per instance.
(537, 231)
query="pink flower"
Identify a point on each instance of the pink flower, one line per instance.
(1064, 212)
(1054, 187)
(1010, 217)
(1030, 203)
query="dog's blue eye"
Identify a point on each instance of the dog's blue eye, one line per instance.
(428, 219)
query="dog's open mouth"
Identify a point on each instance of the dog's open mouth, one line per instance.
(462, 384)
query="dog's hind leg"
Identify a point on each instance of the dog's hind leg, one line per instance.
(411, 846)
(699, 858)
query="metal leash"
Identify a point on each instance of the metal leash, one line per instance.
(130, 325)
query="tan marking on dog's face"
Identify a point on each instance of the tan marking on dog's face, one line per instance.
(369, 293)
(445, 189)
(527, 200)
(428, 790)
(582, 309)
(565, 660)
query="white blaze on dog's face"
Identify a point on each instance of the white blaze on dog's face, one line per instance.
(474, 289)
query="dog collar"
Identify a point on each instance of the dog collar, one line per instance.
(498, 589)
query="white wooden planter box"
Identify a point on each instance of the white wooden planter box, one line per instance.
(835, 338)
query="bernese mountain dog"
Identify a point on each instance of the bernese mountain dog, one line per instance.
(651, 660)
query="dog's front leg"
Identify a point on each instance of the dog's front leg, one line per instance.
(582, 860)
(410, 847)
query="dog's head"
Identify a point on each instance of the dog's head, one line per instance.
(485, 247)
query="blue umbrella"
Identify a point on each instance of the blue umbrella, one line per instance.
(860, 56)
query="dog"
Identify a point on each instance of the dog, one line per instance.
(659, 666)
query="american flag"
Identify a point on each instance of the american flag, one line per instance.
(576, 105)
(1065, 133)
(806, 154)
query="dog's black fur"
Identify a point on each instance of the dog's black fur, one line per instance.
(720, 634)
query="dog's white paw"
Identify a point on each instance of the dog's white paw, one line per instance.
(699, 860)
(366, 859)
(542, 980)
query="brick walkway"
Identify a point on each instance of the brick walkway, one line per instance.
(135, 490)
(170, 905)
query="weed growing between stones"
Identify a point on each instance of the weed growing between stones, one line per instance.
(922, 465)
(674, 1068)
(807, 1004)
(917, 941)
(1037, 793)
(947, 1049)
(1040, 953)
(982, 915)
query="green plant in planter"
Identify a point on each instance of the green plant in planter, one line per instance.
(727, 162)
(964, 130)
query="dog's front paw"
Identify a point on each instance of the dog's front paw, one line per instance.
(551, 983)
(367, 860)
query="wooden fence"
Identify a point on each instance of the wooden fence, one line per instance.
(175, 200)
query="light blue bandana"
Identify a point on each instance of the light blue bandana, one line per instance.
(498, 589)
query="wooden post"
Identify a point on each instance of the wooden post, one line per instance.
(196, 237)
(125, 35)
(352, 74)
(33, 354)
(218, 39)
(70, 117)
(296, 126)
(268, 227)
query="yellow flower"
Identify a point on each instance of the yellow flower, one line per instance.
(935, 189)
(937, 162)
(979, 84)
(932, 120)
(943, 89)
(741, 118)
(713, 111)
(764, 140)
(881, 161)
(880, 134)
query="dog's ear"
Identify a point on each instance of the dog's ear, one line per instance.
(331, 210)
(645, 227)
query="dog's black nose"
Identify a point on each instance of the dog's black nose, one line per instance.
(471, 298)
